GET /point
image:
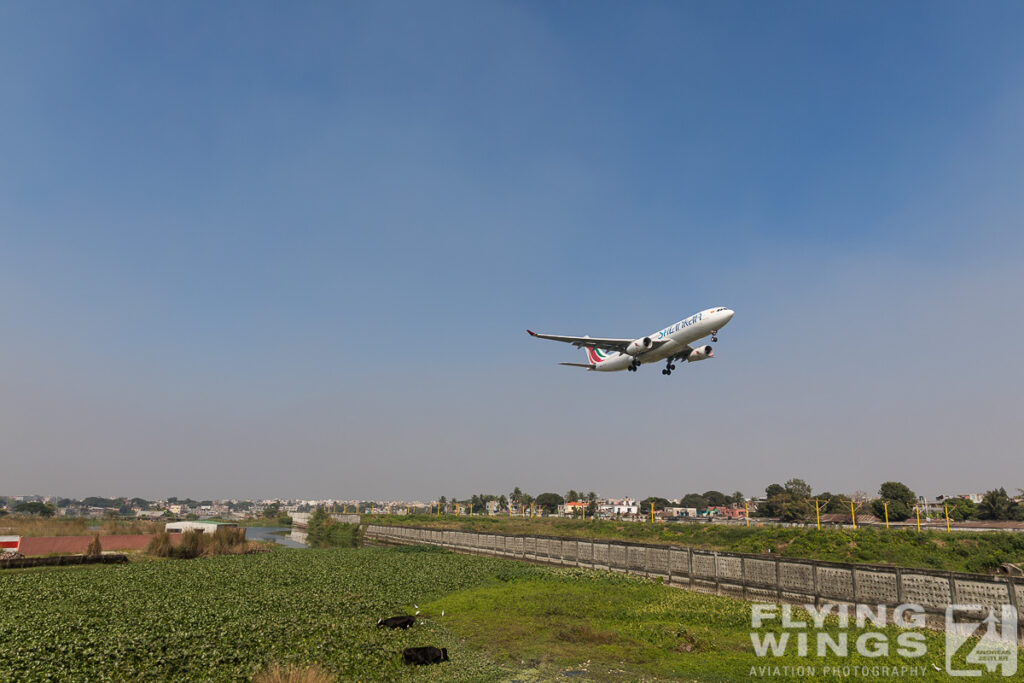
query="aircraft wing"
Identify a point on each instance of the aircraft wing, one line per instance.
(597, 342)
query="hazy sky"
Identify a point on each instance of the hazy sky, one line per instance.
(290, 249)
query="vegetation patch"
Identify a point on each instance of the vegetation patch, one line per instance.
(231, 618)
(619, 627)
(197, 543)
(310, 615)
(76, 526)
(325, 532)
(978, 552)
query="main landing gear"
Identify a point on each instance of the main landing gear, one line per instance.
(633, 366)
(714, 335)
(669, 367)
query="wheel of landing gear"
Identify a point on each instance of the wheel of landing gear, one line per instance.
(714, 339)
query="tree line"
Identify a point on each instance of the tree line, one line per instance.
(793, 502)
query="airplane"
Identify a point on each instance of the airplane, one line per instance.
(670, 344)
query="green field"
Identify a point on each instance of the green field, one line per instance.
(977, 552)
(229, 618)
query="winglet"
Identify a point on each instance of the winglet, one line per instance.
(532, 333)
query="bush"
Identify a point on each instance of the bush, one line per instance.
(195, 543)
(192, 545)
(160, 546)
(95, 549)
(226, 540)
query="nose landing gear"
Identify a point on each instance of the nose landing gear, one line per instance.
(714, 335)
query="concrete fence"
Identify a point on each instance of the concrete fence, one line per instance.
(301, 519)
(759, 578)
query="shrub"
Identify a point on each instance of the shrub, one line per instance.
(95, 549)
(196, 543)
(227, 541)
(192, 545)
(160, 546)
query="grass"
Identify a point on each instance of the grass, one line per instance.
(310, 615)
(978, 552)
(293, 674)
(616, 627)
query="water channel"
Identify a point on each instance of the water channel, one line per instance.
(278, 534)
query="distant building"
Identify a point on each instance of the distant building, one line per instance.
(726, 512)
(623, 506)
(205, 527)
(572, 508)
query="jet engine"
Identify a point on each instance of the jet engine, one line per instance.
(700, 353)
(638, 346)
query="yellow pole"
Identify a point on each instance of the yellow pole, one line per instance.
(470, 509)
(746, 510)
(853, 515)
(817, 513)
(886, 506)
(946, 508)
(917, 509)
(652, 513)
(531, 510)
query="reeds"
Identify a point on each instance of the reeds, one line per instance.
(19, 525)
(160, 546)
(43, 526)
(113, 527)
(196, 543)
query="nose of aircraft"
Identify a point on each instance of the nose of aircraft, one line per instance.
(728, 313)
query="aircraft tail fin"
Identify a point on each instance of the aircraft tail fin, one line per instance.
(595, 355)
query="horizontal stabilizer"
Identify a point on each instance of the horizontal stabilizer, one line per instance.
(589, 366)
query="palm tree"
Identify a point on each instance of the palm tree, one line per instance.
(996, 505)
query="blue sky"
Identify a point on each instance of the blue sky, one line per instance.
(295, 248)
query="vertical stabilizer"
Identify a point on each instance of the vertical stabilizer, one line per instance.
(595, 355)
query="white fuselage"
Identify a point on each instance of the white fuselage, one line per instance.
(678, 336)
